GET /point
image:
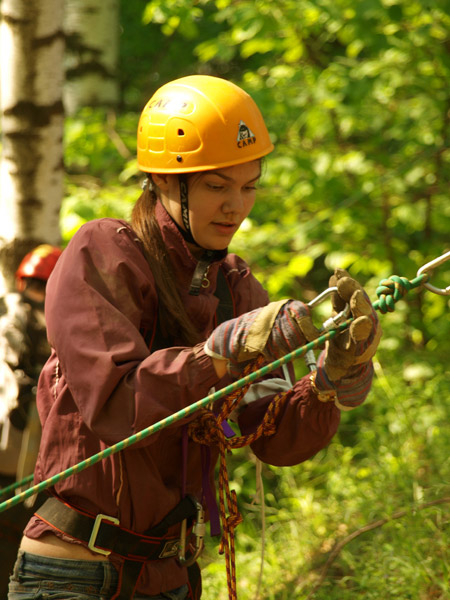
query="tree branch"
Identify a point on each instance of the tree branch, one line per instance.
(379, 523)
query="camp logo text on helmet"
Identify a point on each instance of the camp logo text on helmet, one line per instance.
(199, 123)
(245, 136)
(170, 105)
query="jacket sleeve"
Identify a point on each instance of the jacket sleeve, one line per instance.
(303, 427)
(94, 312)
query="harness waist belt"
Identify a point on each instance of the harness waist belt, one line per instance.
(103, 534)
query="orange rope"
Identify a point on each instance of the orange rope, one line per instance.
(207, 430)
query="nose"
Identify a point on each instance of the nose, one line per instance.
(234, 203)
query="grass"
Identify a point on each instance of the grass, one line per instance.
(388, 467)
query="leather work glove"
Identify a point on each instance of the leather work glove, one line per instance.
(273, 331)
(348, 351)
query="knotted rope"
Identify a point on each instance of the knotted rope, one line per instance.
(391, 291)
(207, 429)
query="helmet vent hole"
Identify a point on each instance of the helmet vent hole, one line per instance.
(181, 132)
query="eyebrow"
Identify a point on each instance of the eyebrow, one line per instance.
(230, 178)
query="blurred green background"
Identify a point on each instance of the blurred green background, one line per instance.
(356, 98)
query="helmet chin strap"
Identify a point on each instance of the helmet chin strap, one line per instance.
(208, 255)
(184, 201)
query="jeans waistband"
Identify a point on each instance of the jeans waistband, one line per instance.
(71, 579)
(89, 572)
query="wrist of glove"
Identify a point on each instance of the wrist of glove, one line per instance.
(354, 347)
(347, 393)
(273, 331)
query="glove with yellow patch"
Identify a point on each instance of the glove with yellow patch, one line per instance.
(345, 365)
(273, 331)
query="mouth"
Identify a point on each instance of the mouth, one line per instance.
(225, 227)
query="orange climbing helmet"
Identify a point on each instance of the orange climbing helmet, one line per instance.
(37, 264)
(198, 123)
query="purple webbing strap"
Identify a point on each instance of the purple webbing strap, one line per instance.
(209, 496)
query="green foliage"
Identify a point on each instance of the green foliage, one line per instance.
(101, 170)
(355, 95)
(389, 458)
(356, 98)
(99, 145)
(84, 203)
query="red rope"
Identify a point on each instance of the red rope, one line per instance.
(207, 430)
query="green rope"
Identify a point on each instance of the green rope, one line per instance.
(395, 288)
(10, 488)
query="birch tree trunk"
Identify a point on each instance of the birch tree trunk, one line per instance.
(92, 47)
(31, 165)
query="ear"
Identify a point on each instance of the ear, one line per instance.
(161, 180)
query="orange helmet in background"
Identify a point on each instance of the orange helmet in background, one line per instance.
(198, 123)
(37, 264)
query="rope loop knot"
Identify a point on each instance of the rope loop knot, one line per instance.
(391, 291)
(207, 429)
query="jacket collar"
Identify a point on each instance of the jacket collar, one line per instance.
(188, 270)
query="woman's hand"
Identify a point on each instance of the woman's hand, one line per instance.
(358, 343)
(273, 331)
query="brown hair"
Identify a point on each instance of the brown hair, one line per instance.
(172, 317)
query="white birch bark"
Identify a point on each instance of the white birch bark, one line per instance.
(31, 164)
(92, 46)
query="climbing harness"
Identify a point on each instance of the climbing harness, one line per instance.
(104, 535)
(207, 429)
(198, 531)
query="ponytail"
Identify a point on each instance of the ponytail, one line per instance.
(173, 320)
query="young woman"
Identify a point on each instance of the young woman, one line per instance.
(134, 316)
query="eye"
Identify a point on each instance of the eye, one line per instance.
(214, 186)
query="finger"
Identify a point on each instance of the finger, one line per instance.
(337, 275)
(360, 304)
(343, 340)
(306, 326)
(347, 286)
(336, 301)
(361, 328)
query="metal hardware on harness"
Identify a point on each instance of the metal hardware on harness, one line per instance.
(98, 521)
(171, 548)
(198, 531)
(331, 323)
(429, 267)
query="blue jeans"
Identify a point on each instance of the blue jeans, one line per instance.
(44, 578)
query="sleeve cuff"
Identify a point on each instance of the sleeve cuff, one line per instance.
(350, 392)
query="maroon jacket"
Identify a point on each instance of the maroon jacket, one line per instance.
(102, 384)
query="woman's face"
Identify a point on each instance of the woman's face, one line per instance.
(218, 202)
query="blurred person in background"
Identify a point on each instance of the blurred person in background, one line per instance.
(24, 350)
